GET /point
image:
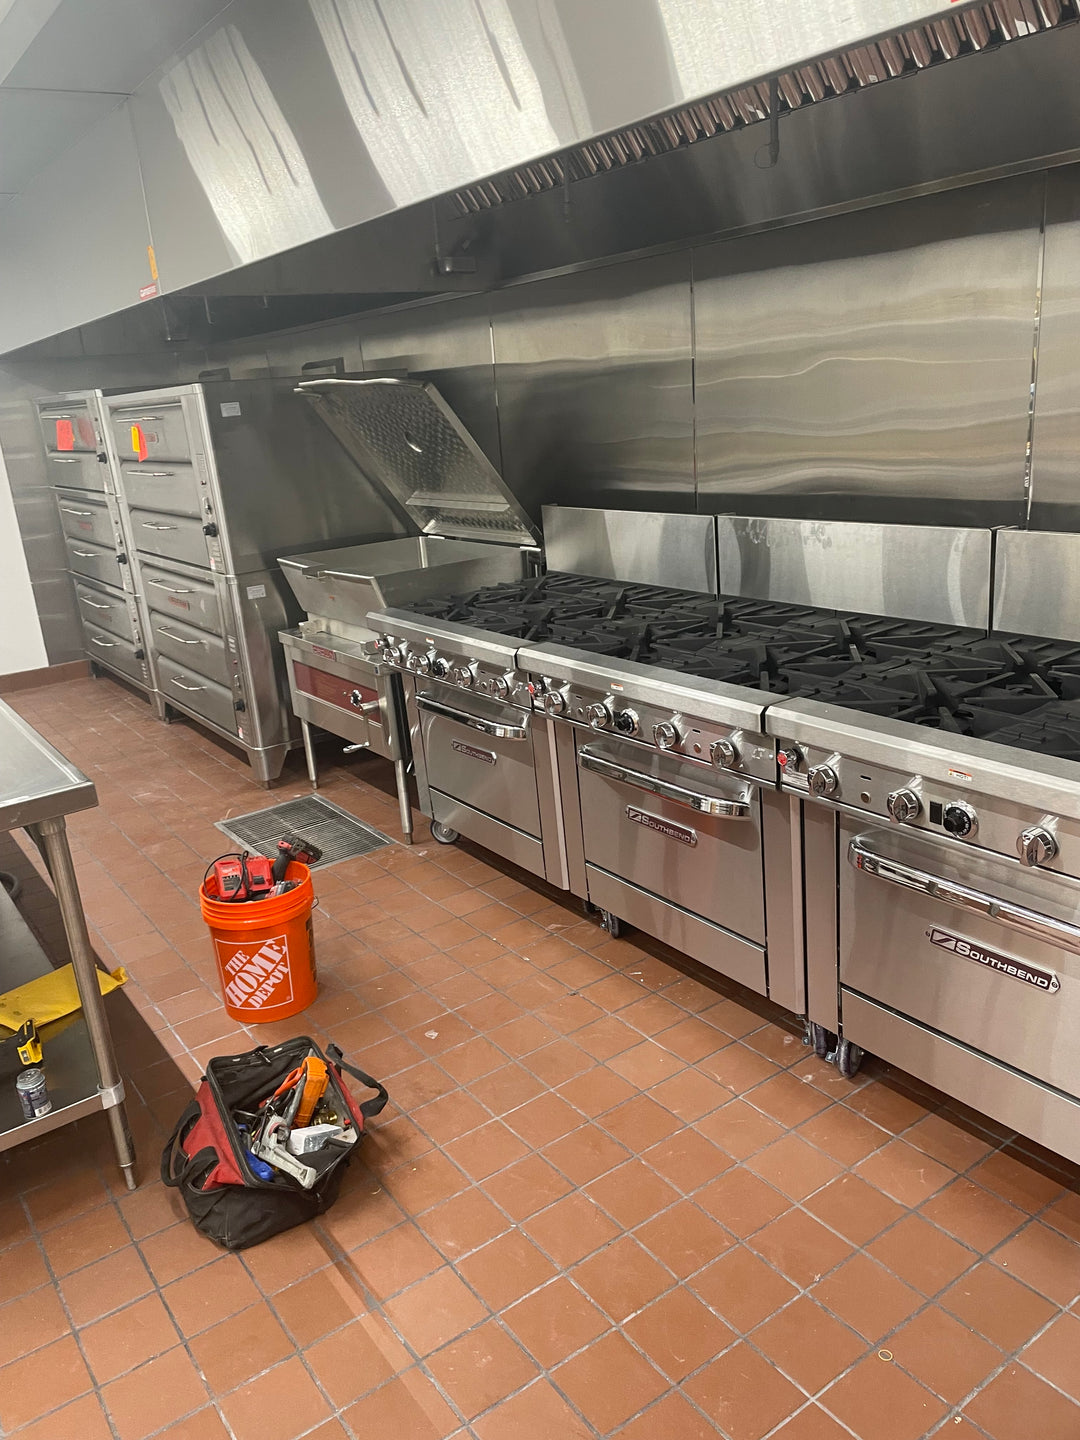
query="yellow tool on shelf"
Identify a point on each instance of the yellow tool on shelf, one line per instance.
(51, 996)
(28, 1044)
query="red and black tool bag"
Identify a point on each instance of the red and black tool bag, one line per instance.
(205, 1156)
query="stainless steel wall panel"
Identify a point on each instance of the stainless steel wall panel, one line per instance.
(875, 365)
(1055, 475)
(650, 548)
(1037, 584)
(920, 572)
(594, 379)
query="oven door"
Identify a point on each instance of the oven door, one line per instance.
(977, 947)
(480, 753)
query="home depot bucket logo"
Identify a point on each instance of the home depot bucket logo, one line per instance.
(256, 978)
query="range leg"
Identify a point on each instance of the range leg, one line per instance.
(401, 775)
(309, 754)
(52, 837)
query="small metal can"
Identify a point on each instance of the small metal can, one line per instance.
(33, 1094)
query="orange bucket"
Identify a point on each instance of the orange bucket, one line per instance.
(265, 950)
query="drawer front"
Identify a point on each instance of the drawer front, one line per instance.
(197, 693)
(120, 654)
(171, 488)
(68, 429)
(176, 537)
(194, 601)
(105, 610)
(86, 518)
(150, 432)
(194, 649)
(96, 561)
(80, 471)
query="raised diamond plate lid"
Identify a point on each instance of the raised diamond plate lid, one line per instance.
(405, 437)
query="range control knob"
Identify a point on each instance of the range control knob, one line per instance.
(1036, 846)
(463, 675)
(666, 735)
(598, 715)
(355, 698)
(395, 654)
(790, 757)
(554, 702)
(499, 688)
(440, 666)
(823, 780)
(959, 819)
(723, 753)
(420, 663)
(904, 805)
(626, 722)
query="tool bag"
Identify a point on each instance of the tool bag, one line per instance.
(205, 1157)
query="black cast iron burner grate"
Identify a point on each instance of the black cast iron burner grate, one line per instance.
(339, 835)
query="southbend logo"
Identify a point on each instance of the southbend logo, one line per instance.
(990, 960)
(254, 977)
(661, 826)
(474, 752)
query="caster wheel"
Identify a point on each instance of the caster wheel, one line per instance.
(611, 923)
(442, 833)
(822, 1040)
(590, 909)
(848, 1059)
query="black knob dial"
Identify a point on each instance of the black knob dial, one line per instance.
(960, 819)
(211, 530)
(440, 666)
(355, 699)
(625, 722)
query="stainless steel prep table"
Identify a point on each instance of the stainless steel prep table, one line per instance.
(38, 787)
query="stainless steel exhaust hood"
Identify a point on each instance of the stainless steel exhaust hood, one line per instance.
(948, 38)
(279, 123)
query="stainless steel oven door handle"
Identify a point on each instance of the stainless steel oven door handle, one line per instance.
(950, 892)
(161, 585)
(498, 729)
(715, 805)
(152, 474)
(66, 459)
(94, 604)
(173, 636)
(87, 514)
(181, 686)
(105, 644)
(153, 525)
(85, 554)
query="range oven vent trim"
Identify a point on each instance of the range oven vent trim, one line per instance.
(981, 27)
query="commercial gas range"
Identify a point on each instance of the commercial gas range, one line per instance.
(875, 820)
(942, 848)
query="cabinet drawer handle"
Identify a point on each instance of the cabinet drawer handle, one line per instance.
(85, 554)
(173, 636)
(66, 459)
(105, 644)
(88, 514)
(181, 686)
(151, 474)
(94, 604)
(153, 525)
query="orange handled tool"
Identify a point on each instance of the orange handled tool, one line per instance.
(310, 1079)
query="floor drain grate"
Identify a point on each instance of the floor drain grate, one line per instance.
(339, 835)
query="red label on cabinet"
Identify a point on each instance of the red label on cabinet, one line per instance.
(65, 435)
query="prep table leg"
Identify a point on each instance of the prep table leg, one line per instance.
(52, 835)
(309, 754)
(401, 775)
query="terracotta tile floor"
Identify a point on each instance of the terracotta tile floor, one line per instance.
(606, 1199)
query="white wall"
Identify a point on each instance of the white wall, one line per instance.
(21, 645)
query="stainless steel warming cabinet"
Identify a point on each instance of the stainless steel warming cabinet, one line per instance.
(214, 482)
